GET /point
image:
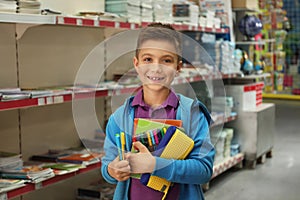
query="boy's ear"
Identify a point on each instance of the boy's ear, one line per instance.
(179, 66)
(135, 61)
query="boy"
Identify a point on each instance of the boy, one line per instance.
(157, 62)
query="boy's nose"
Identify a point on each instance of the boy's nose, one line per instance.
(156, 67)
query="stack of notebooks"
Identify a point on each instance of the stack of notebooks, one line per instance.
(10, 160)
(164, 138)
(32, 173)
(21, 6)
(8, 6)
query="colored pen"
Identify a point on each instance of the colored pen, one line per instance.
(118, 142)
(152, 139)
(123, 143)
(149, 139)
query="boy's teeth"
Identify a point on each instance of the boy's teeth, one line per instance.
(155, 78)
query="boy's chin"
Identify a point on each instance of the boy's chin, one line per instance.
(156, 87)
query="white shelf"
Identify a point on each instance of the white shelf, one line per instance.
(95, 22)
(27, 18)
(227, 164)
(261, 42)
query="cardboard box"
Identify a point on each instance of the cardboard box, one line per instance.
(245, 4)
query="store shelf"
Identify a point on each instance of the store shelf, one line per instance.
(185, 27)
(31, 187)
(96, 22)
(27, 18)
(221, 120)
(50, 100)
(281, 96)
(81, 21)
(227, 164)
(260, 42)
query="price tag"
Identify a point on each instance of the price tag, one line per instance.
(61, 20)
(58, 99)
(41, 101)
(96, 23)
(132, 26)
(79, 22)
(38, 185)
(49, 100)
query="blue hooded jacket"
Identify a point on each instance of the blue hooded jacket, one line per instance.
(190, 173)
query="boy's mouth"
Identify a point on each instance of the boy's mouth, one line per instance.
(153, 78)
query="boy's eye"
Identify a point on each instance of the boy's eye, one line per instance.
(147, 59)
(168, 60)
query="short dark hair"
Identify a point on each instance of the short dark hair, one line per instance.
(160, 31)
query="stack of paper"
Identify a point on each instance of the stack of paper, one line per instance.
(29, 6)
(134, 11)
(32, 173)
(147, 14)
(9, 160)
(10, 184)
(10, 94)
(218, 140)
(8, 6)
(227, 143)
(163, 11)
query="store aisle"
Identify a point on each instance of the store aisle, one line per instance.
(276, 179)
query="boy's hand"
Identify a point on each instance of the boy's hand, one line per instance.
(141, 162)
(119, 170)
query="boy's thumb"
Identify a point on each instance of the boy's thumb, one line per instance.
(140, 147)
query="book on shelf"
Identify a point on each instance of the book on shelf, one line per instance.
(10, 184)
(10, 160)
(63, 168)
(81, 158)
(50, 156)
(13, 96)
(8, 157)
(32, 173)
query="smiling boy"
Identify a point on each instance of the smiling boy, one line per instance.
(157, 62)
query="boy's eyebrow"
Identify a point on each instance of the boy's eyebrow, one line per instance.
(170, 54)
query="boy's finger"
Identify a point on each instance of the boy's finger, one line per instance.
(140, 147)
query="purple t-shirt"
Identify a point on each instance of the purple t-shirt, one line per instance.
(166, 111)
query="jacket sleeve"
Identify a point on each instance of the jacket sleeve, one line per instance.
(197, 168)
(110, 149)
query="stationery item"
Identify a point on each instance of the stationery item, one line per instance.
(151, 131)
(119, 146)
(32, 173)
(142, 125)
(158, 126)
(174, 145)
(123, 142)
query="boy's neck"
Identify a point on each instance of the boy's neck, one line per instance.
(155, 98)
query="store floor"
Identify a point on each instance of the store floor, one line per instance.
(279, 177)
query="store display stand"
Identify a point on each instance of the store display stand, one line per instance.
(255, 133)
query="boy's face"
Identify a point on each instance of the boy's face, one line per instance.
(157, 64)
